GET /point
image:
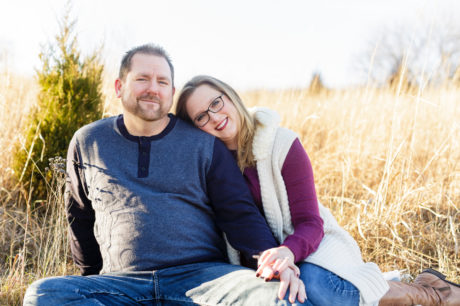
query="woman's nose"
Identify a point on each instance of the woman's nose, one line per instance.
(213, 116)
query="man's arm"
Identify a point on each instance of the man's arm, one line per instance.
(236, 213)
(81, 217)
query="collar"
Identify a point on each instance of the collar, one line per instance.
(267, 122)
(124, 131)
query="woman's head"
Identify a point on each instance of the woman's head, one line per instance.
(206, 98)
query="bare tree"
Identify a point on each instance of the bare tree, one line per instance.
(411, 55)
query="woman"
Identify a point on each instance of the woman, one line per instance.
(280, 178)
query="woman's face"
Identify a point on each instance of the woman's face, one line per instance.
(223, 124)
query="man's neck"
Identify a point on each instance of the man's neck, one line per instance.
(139, 127)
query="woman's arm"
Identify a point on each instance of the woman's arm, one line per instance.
(297, 174)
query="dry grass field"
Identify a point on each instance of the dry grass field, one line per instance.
(386, 162)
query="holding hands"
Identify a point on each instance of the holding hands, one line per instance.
(278, 259)
(279, 263)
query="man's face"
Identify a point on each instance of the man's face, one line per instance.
(146, 91)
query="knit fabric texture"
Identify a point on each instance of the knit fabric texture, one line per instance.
(147, 223)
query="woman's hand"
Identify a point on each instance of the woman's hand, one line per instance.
(289, 279)
(279, 259)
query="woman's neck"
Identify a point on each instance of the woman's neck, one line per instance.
(232, 145)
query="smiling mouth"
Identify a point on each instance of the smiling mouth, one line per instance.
(149, 102)
(222, 125)
(148, 99)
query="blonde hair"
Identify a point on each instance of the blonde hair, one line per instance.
(246, 130)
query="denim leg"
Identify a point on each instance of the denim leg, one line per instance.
(325, 288)
(108, 289)
(202, 283)
(215, 284)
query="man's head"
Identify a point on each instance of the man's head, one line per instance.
(148, 49)
(145, 84)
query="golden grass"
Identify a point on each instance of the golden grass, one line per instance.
(17, 96)
(387, 165)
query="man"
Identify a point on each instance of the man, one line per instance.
(148, 198)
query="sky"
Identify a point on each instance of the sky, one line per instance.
(268, 44)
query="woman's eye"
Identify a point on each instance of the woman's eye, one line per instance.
(200, 117)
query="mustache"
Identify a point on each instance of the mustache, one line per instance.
(149, 97)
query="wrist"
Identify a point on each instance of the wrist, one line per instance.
(288, 252)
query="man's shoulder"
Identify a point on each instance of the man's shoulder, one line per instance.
(96, 127)
(193, 130)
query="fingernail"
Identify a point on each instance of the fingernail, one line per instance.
(277, 273)
(257, 274)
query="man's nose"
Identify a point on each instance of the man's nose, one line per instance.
(153, 87)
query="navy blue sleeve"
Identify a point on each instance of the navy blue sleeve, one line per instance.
(81, 217)
(237, 215)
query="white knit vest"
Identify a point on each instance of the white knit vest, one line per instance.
(338, 252)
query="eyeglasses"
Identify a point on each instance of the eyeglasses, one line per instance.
(216, 105)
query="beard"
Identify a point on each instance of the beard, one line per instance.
(147, 112)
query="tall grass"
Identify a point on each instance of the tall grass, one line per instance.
(388, 166)
(33, 236)
(386, 163)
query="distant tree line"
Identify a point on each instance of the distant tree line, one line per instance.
(414, 55)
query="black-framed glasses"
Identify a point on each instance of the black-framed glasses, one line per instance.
(214, 107)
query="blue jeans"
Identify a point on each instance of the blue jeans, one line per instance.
(201, 283)
(325, 288)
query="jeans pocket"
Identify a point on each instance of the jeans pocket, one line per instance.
(342, 286)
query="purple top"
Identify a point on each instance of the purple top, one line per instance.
(303, 204)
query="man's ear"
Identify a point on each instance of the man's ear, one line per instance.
(118, 85)
(173, 91)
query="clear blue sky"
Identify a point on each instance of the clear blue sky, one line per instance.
(248, 43)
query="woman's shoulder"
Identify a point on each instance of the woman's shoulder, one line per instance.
(265, 116)
(284, 140)
(269, 118)
(284, 133)
(270, 137)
